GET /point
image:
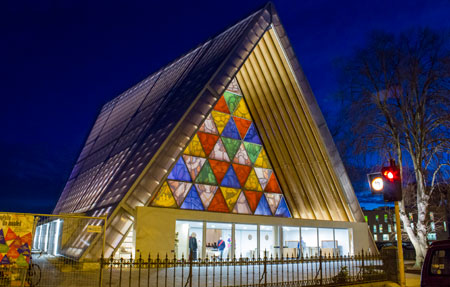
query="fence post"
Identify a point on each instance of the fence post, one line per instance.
(101, 271)
(320, 267)
(265, 268)
(362, 264)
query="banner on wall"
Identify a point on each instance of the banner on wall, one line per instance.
(15, 239)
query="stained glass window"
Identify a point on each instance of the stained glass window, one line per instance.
(224, 168)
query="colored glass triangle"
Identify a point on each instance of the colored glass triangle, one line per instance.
(220, 119)
(242, 172)
(194, 165)
(219, 152)
(24, 249)
(232, 100)
(208, 141)
(10, 235)
(164, 198)
(273, 199)
(192, 200)
(242, 111)
(234, 87)
(241, 205)
(263, 207)
(180, 171)
(283, 210)
(253, 182)
(209, 126)
(272, 185)
(219, 169)
(231, 131)
(4, 248)
(252, 135)
(218, 203)
(242, 125)
(241, 156)
(21, 261)
(230, 179)
(206, 193)
(262, 160)
(179, 190)
(5, 261)
(26, 238)
(16, 243)
(263, 175)
(221, 105)
(2, 237)
(252, 150)
(232, 146)
(12, 253)
(230, 195)
(206, 175)
(253, 198)
(195, 148)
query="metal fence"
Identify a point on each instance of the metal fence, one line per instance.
(291, 271)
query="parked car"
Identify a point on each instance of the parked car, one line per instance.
(436, 267)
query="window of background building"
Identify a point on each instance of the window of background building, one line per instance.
(431, 216)
(246, 240)
(431, 236)
(445, 226)
(375, 237)
(186, 230)
(389, 228)
(374, 228)
(214, 233)
(291, 241)
(342, 237)
(380, 228)
(395, 227)
(410, 216)
(395, 236)
(385, 218)
(385, 237)
(376, 217)
(412, 225)
(365, 217)
(433, 226)
(309, 236)
(268, 241)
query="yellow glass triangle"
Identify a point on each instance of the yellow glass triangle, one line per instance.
(242, 111)
(195, 148)
(262, 160)
(164, 198)
(253, 182)
(231, 195)
(220, 119)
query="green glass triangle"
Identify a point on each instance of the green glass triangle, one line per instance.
(232, 101)
(231, 145)
(252, 150)
(206, 175)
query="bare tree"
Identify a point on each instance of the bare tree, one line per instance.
(398, 103)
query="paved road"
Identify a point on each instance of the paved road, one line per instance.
(412, 280)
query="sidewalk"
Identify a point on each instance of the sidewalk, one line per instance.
(412, 280)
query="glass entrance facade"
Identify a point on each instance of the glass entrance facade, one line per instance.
(226, 240)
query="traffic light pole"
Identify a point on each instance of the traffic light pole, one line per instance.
(401, 265)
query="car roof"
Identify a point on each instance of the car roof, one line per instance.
(440, 243)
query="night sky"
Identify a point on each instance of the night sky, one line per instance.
(62, 60)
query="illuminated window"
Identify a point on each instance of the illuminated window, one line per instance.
(445, 226)
(389, 228)
(431, 216)
(224, 168)
(395, 237)
(395, 227)
(365, 217)
(385, 237)
(374, 228)
(375, 237)
(412, 225)
(385, 218)
(433, 226)
(376, 217)
(410, 216)
(380, 228)
(431, 236)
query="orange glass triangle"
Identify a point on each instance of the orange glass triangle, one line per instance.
(218, 203)
(208, 141)
(242, 172)
(242, 125)
(253, 198)
(219, 169)
(221, 105)
(272, 185)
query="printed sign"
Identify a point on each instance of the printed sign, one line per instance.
(15, 239)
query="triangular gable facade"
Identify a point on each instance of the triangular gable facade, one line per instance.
(187, 137)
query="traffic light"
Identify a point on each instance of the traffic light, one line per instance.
(376, 182)
(392, 183)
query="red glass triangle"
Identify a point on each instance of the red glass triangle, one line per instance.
(253, 198)
(208, 141)
(221, 105)
(242, 172)
(242, 125)
(218, 203)
(272, 185)
(219, 169)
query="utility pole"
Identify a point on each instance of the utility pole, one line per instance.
(401, 265)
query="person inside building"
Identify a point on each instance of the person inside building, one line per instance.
(221, 246)
(193, 246)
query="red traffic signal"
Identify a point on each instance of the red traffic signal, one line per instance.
(392, 187)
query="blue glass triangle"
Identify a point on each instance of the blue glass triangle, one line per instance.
(192, 200)
(231, 131)
(230, 179)
(180, 171)
(5, 260)
(263, 207)
(2, 237)
(282, 210)
(252, 135)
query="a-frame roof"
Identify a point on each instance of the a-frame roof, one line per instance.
(138, 135)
